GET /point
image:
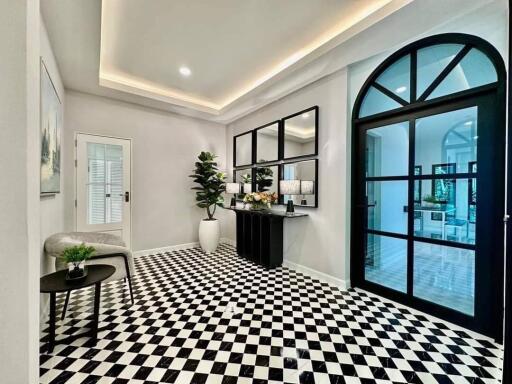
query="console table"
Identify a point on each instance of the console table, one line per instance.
(259, 235)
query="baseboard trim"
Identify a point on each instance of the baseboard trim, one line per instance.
(178, 247)
(225, 240)
(170, 248)
(324, 277)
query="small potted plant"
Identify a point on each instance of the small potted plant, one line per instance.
(430, 201)
(76, 256)
(260, 200)
(211, 186)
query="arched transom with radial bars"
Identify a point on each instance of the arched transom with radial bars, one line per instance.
(426, 74)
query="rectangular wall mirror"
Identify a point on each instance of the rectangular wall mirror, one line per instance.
(267, 179)
(244, 178)
(307, 172)
(267, 142)
(300, 132)
(242, 149)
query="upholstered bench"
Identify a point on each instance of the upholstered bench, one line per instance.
(109, 249)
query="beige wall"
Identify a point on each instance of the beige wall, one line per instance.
(164, 150)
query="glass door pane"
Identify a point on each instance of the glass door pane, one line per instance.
(445, 201)
(445, 275)
(104, 183)
(386, 202)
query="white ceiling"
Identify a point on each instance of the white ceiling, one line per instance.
(132, 49)
(230, 45)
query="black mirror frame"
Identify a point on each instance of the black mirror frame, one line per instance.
(252, 149)
(255, 140)
(281, 173)
(282, 132)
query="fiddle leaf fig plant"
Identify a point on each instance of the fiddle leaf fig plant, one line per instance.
(211, 184)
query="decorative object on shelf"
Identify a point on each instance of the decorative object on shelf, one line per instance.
(76, 256)
(431, 202)
(260, 200)
(289, 188)
(233, 188)
(247, 187)
(51, 124)
(208, 196)
(307, 187)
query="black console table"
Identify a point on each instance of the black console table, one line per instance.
(259, 235)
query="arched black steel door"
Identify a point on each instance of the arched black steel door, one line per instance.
(428, 185)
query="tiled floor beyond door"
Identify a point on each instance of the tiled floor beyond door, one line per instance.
(220, 319)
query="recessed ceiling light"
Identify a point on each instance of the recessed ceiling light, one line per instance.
(401, 89)
(305, 115)
(185, 71)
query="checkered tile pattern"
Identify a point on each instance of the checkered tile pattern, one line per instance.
(221, 319)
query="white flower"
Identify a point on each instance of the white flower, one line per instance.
(257, 197)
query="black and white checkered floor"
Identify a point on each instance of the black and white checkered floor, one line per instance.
(220, 319)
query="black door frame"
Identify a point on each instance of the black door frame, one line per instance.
(490, 100)
(507, 359)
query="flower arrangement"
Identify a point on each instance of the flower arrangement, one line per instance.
(260, 200)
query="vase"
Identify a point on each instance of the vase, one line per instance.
(76, 273)
(259, 207)
(209, 235)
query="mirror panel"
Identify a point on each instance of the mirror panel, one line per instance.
(306, 172)
(243, 149)
(243, 177)
(300, 134)
(267, 143)
(267, 179)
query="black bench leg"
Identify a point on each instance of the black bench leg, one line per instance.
(66, 302)
(51, 332)
(129, 277)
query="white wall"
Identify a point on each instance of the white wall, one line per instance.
(19, 192)
(319, 241)
(164, 150)
(52, 206)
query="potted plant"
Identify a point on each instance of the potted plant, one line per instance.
(75, 257)
(430, 201)
(211, 186)
(260, 200)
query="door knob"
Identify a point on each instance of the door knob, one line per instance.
(127, 196)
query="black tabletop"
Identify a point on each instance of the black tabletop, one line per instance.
(56, 282)
(268, 212)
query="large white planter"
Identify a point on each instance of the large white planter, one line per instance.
(209, 235)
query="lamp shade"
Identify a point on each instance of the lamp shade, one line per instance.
(233, 188)
(247, 188)
(289, 187)
(307, 187)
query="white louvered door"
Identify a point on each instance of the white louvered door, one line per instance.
(103, 194)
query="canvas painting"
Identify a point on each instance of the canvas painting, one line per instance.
(51, 124)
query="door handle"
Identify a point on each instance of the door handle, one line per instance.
(127, 197)
(366, 205)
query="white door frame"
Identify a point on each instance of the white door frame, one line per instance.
(75, 184)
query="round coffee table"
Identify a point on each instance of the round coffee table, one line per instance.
(56, 282)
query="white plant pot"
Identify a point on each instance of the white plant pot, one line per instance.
(209, 235)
